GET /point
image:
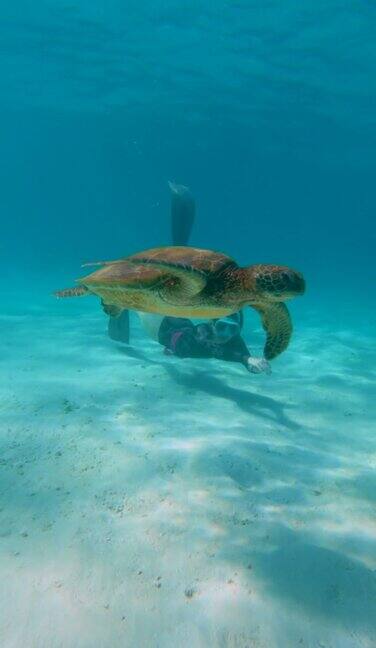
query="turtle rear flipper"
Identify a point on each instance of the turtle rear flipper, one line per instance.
(277, 324)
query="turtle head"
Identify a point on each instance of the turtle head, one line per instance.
(277, 283)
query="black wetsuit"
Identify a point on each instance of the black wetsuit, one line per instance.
(178, 336)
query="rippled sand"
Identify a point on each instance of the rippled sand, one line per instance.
(148, 501)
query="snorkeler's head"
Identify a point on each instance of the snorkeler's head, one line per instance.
(220, 331)
(226, 328)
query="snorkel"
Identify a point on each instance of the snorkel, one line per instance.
(220, 331)
(225, 328)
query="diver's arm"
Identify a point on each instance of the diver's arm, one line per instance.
(236, 350)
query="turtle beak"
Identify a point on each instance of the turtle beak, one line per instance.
(295, 283)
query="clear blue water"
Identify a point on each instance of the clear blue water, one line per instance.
(267, 111)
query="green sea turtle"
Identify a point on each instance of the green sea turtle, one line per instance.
(190, 282)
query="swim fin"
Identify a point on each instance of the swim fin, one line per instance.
(183, 211)
(118, 327)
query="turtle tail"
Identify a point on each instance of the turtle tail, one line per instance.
(77, 291)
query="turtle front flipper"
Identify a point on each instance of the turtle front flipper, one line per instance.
(277, 324)
(180, 283)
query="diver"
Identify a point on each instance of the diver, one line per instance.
(218, 338)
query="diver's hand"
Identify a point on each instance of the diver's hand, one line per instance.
(258, 365)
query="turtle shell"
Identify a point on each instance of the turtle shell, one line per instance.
(162, 280)
(205, 261)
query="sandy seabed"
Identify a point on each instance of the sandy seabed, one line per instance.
(148, 501)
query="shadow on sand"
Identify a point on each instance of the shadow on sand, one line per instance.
(207, 383)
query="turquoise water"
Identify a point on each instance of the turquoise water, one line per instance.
(150, 501)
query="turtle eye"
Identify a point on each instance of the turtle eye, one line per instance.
(284, 279)
(171, 283)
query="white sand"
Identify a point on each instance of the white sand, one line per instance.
(148, 501)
